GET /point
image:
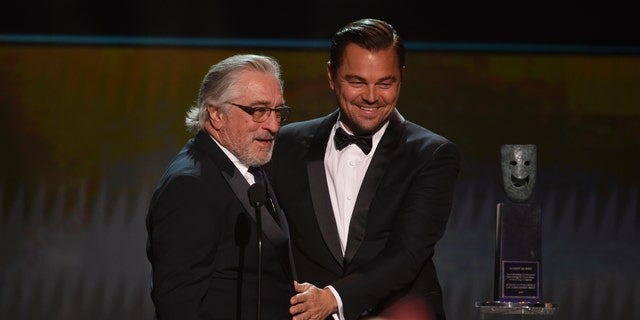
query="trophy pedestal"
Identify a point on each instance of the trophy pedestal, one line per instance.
(518, 274)
(497, 310)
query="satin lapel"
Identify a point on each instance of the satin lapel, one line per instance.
(284, 226)
(387, 149)
(240, 187)
(270, 229)
(319, 189)
(235, 180)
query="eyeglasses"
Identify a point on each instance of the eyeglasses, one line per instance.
(261, 114)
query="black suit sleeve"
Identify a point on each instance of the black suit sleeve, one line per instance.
(186, 222)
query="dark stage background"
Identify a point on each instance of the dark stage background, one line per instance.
(549, 22)
(92, 100)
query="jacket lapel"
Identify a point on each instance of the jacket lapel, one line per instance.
(274, 233)
(270, 227)
(282, 229)
(386, 150)
(319, 189)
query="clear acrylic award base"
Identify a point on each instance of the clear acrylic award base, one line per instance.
(501, 310)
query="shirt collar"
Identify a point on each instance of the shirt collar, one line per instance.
(239, 165)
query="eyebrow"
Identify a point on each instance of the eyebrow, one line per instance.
(351, 77)
(265, 104)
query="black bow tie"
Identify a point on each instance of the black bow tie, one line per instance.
(343, 139)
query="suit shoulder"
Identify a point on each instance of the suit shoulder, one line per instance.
(300, 127)
(420, 134)
(298, 133)
(423, 140)
(186, 162)
(189, 163)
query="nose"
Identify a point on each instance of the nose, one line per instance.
(370, 95)
(272, 124)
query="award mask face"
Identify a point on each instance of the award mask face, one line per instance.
(518, 171)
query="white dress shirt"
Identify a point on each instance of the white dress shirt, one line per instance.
(345, 171)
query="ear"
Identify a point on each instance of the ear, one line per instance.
(216, 117)
(330, 75)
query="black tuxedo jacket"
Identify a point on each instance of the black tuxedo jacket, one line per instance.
(401, 212)
(202, 242)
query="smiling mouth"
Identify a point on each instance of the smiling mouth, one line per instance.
(519, 183)
(366, 108)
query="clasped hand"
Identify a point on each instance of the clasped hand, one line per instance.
(312, 303)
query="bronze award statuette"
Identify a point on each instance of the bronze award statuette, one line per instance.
(518, 262)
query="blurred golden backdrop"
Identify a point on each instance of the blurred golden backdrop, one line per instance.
(87, 130)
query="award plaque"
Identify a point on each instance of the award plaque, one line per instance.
(518, 253)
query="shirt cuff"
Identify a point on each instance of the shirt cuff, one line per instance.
(340, 314)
